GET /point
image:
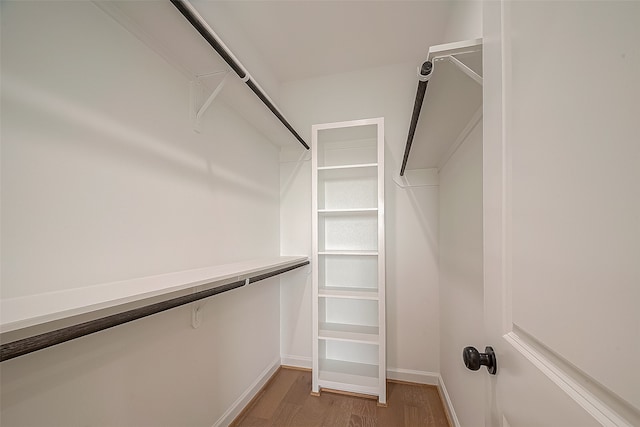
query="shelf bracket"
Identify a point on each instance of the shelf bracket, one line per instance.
(417, 178)
(475, 119)
(196, 316)
(197, 112)
(468, 71)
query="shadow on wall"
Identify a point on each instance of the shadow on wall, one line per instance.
(200, 161)
(412, 250)
(418, 196)
(285, 187)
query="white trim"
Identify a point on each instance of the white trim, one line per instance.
(382, 312)
(304, 362)
(448, 404)
(409, 375)
(581, 395)
(241, 402)
(315, 367)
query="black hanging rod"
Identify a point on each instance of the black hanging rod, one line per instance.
(194, 19)
(423, 77)
(48, 339)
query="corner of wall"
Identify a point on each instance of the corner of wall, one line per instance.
(245, 398)
(413, 376)
(293, 361)
(447, 403)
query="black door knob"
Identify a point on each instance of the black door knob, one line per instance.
(473, 359)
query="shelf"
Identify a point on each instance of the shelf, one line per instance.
(349, 311)
(349, 253)
(452, 105)
(372, 211)
(33, 310)
(347, 188)
(348, 376)
(347, 144)
(352, 333)
(346, 292)
(341, 167)
(350, 232)
(348, 272)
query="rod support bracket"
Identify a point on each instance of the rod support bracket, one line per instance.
(196, 316)
(425, 71)
(197, 110)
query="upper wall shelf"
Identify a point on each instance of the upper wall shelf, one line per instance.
(452, 104)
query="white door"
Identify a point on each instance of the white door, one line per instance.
(562, 212)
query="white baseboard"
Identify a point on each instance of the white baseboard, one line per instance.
(409, 375)
(244, 399)
(296, 361)
(448, 404)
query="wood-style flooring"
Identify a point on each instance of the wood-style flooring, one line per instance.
(286, 401)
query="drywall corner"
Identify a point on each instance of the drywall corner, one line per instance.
(413, 376)
(236, 408)
(447, 403)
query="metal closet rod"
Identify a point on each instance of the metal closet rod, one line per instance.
(423, 77)
(185, 8)
(48, 339)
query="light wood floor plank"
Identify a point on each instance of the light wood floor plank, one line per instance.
(273, 394)
(287, 401)
(285, 414)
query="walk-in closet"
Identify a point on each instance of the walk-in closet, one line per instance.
(328, 213)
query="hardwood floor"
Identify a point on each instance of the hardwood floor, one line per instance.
(286, 401)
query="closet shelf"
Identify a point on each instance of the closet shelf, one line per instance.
(352, 333)
(349, 253)
(452, 104)
(354, 166)
(372, 211)
(348, 376)
(34, 310)
(345, 292)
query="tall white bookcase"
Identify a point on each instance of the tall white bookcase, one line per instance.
(348, 258)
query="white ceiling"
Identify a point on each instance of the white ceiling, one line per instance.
(303, 39)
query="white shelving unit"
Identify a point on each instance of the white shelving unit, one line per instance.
(348, 258)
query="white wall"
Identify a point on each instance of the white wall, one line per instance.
(461, 276)
(295, 239)
(461, 256)
(103, 179)
(464, 22)
(411, 215)
(230, 31)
